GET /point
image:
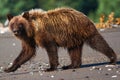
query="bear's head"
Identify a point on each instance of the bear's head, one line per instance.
(20, 25)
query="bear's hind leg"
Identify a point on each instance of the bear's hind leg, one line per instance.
(75, 56)
(98, 43)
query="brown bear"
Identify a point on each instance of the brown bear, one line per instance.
(61, 27)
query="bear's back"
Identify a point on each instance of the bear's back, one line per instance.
(66, 26)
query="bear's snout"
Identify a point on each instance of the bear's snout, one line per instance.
(16, 32)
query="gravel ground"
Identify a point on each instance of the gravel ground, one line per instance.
(94, 63)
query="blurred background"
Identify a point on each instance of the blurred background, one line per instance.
(104, 13)
(92, 8)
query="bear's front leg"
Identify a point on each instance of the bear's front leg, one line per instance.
(15, 64)
(51, 49)
(25, 55)
(12, 68)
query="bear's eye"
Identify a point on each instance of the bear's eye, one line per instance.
(20, 25)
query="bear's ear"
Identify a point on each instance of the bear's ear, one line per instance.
(9, 16)
(26, 15)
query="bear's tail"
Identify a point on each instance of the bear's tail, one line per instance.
(98, 43)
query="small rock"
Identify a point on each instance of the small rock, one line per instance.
(114, 76)
(118, 72)
(31, 73)
(47, 64)
(14, 44)
(1, 69)
(102, 29)
(2, 32)
(93, 67)
(110, 66)
(96, 68)
(87, 77)
(73, 70)
(106, 74)
(40, 73)
(109, 69)
(10, 64)
(52, 76)
(100, 69)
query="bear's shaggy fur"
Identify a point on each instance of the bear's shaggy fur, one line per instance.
(62, 27)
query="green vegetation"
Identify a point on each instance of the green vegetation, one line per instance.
(92, 8)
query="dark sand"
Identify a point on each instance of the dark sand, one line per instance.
(94, 64)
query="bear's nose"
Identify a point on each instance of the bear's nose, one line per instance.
(15, 31)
